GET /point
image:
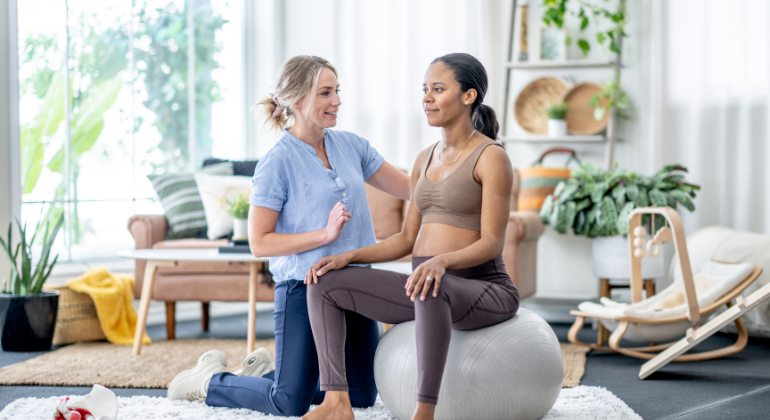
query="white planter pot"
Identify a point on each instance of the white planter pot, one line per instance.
(557, 128)
(612, 260)
(240, 229)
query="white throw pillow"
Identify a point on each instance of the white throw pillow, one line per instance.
(214, 190)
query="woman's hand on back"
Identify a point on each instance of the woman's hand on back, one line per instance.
(326, 264)
(337, 219)
(418, 285)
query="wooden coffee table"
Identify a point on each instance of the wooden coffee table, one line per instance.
(170, 257)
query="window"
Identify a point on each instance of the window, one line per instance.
(143, 100)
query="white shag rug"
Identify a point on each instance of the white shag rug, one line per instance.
(581, 402)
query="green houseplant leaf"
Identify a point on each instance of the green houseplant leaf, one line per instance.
(683, 199)
(24, 279)
(545, 209)
(594, 202)
(624, 217)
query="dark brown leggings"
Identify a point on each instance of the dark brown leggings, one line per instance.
(471, 298)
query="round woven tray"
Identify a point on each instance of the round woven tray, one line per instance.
(580, 115)
(531, 103)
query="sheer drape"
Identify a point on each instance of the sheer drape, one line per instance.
(382, 49)
(708, 109)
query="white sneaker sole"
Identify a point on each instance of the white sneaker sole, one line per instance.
(210, 363)
(258, 363)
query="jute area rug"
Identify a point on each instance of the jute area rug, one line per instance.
(85, 364)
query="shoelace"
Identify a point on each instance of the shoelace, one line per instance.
(195, 395)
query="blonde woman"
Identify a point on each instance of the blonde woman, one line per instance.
(308, 201)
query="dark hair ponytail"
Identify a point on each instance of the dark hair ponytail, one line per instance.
(470, 73)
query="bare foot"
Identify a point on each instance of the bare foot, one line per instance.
(336, 406)
(424, 411)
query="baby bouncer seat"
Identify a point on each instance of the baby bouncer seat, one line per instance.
(678, 312)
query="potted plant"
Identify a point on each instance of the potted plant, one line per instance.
(597, 204)
(239, 209)
(557, 126)
(28, 314)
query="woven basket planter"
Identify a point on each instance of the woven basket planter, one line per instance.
(77, 319)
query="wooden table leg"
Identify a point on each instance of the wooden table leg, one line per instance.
(144, 305)
(252, 332)
(604, 291)
(170, 320)
(649, 286)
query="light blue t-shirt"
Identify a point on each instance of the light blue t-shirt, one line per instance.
(293, 180)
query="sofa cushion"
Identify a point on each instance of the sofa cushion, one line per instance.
(241, 168)
(387, 212)
(181, 201)
(215, 191)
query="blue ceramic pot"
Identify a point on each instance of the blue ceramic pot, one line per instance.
(27, 322)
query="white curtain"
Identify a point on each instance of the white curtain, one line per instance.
(381, 50)
(709, 75)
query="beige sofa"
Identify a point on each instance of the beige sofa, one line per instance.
(216, 281)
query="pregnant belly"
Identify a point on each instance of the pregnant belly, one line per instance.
(438, 238)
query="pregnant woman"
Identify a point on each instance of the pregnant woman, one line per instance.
(308, 201)
(455, 230)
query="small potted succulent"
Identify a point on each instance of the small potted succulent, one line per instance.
(239, 209)
(27, 313)
(597, 204)
(557, 125)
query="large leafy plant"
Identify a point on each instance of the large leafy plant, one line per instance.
(594, 202)
(24, 279)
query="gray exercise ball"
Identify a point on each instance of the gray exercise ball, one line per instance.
(512, 370)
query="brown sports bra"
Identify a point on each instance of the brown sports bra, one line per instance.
(456, 199)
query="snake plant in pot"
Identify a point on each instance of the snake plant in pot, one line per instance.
(597, 204)
(27, 313)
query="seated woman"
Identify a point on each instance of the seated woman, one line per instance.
(455, 229)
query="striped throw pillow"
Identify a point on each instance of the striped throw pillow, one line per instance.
(182, 202)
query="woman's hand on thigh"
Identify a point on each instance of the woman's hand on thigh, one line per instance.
(418, 284)
(324, 265)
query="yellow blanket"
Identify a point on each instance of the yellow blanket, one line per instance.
(112, 296)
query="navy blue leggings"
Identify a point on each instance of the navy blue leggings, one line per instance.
(294, 384)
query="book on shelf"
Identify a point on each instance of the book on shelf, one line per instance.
(237, 246)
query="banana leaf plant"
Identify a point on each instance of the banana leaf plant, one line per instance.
(595, 203)
(24, 279)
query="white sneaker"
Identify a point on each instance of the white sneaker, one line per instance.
(191, 384)
(258, 363)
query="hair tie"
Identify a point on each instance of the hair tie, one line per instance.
(279, 108)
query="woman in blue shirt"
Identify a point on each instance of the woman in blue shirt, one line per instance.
(308, 201)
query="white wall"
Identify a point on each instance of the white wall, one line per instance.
(9, 204)
(381, 51)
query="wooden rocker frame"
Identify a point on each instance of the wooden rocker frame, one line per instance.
(660, 355)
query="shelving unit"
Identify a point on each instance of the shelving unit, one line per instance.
(567, 64)
(608, 139)
(546, 139)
